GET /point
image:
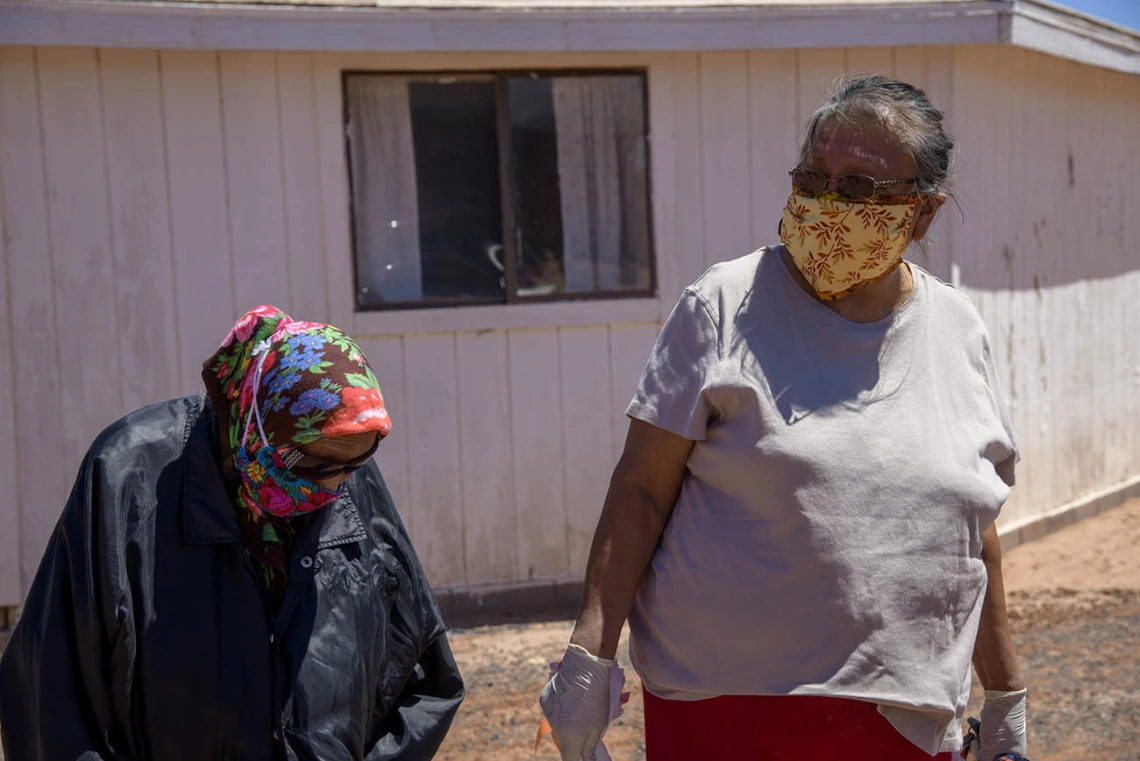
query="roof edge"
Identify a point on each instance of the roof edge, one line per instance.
(656, 25)
(112, 23)
(1059, 31)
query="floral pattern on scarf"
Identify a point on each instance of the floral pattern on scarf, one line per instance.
(309, 381)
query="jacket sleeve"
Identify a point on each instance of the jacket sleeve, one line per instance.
(415, 727)
(55, 697)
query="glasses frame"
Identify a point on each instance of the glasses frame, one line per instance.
(326, 468)
(830, 181)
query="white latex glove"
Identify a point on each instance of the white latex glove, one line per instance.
(576, 703)
(1003, 725)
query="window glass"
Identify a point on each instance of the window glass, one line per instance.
(429, 179)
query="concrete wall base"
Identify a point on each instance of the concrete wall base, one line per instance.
(1069, 513)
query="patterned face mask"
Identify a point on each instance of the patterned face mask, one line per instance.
(840, 245)
(266, 481)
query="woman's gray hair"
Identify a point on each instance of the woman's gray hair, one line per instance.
(902, 109)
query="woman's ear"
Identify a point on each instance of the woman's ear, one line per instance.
(780, 227)
(928, 206)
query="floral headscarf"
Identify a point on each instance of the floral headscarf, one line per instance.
(308, 381)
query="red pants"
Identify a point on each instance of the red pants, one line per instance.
(781, 728)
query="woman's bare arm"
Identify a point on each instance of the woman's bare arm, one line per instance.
(994, 656)
(641, 496)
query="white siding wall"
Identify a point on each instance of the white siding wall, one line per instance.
(146, 198)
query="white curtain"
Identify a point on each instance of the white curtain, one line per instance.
(599, 123)
(385, 213)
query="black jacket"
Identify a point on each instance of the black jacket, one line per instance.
(146, 634)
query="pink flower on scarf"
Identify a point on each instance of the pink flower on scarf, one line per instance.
(243, 329)
(289, 328)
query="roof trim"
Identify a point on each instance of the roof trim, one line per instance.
(1052, 29)
(112, 23)
(1032, 24)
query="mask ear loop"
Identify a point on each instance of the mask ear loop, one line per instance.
(255, 412)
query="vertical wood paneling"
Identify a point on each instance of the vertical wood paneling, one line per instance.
(40, 485)
(630, 345)
(1021, 306)
(433, 451)
(725, 138)
(164, 185)
(304, 206)
(29, 322)
(252, 128)
(1018, 301)
(140, 221)
(587, 426)
(939, 74)
(1049, 236)
(817, 72)
(10, 592)
(83, 275)
(688, 221)
(775, 146)
(910, 65)
(1130, 312)
(870, 61)
(1034, 424)
(42, 479)
(1071, 89)
(339, 277)
(203, 276)
(970, 121)
(537, 453)
(998, 254)
(1092, 356)
(664, 180)
(485, 442)
(386, 355)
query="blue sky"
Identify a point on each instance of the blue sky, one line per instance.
(1123, 12)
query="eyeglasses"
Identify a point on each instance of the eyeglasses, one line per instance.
(315, 468)
(857, 187)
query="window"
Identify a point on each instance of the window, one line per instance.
(498, 188)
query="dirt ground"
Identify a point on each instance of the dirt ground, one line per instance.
(1074, 599)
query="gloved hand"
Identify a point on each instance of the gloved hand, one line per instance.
(576, 703)
(1002, 725)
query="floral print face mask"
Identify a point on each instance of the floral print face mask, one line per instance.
(840, 245)
(267, 484)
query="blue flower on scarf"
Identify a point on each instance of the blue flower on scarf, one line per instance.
(307, 341)
(278, 382)
(314, 399)
(302, 360)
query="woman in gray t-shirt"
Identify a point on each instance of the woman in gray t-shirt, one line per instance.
(800, 530)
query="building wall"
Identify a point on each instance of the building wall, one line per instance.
(149, 197)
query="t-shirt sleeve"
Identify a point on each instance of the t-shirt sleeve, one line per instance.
(673, 392)
(1003, 454)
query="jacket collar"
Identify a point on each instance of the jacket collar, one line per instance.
(208, 515)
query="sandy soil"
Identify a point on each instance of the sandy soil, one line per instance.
(1074, 601)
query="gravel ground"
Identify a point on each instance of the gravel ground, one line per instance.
(1074, 601)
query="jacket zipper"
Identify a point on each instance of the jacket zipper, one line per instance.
(266, 605)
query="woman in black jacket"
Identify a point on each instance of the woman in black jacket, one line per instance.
(230, 578)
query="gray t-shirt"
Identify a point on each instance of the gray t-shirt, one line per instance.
(827, 539)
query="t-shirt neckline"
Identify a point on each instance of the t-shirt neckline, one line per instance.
(881, 324)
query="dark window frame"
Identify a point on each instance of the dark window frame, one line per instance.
(509, 228)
